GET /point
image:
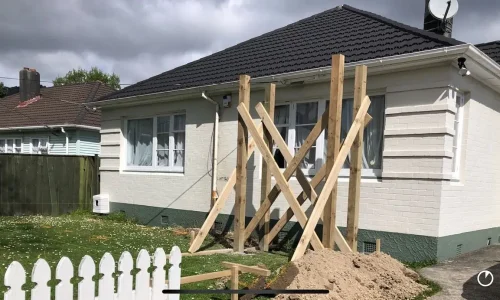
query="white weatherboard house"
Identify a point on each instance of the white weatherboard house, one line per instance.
(51, 120)
(431, 179)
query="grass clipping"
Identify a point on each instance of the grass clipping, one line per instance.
(349, 276)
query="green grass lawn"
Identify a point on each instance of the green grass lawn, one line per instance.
(26, 239)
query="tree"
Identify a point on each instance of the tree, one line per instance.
(3, 90)
(82, 76)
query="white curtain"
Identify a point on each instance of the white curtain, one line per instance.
(179, 139)
(140, 142)
(373, 133)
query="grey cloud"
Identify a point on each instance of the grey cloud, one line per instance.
(139, 39)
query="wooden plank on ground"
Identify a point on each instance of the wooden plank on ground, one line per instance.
(333, 144)
(219, 204)
(280, 179)
(308, 232)
(265, 187)
(356, 163)
(290, 169)
(248, 269)
(241, 169)
(203, 277)
(235, 272)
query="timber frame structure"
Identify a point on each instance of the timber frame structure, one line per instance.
(325, 203)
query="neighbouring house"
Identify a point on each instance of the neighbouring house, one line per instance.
(53, 120)
(431, 170)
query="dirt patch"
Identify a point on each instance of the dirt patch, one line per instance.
(349, 276)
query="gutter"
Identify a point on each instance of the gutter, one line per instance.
(383, 64)
(51, 127)
(215, 148)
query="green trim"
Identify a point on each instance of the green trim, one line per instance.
(448, 246)
(404, 247)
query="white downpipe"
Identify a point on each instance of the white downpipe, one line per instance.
(67, 140)
(215, 147)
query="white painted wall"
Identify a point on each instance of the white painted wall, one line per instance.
(473, 203)
(406, 199)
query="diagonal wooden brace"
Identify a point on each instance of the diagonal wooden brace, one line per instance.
(290, 169)
(315, 181)
(219, 204)
(280, 179)
(331, 180)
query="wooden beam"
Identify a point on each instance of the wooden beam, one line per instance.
(356, 162)
(280, 179)
(265, 186)
(207, 252)
(308, 232)
(377, 245)
(203, 277)
(234, 281)
(333, 144)
(248, 269)
(219, 204)
(290, 169)
(241, 169)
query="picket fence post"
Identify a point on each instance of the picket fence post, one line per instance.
(146, 287)
(174, 272)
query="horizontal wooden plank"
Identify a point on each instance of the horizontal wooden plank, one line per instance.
(248, 269)
(203, 277)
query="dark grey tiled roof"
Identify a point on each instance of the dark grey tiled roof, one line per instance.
(306, 44)
(492, 49)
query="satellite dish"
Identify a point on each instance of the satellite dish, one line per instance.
(439, 8)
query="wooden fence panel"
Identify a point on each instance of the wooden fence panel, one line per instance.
(47, 184)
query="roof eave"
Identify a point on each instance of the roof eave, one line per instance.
(375, 66)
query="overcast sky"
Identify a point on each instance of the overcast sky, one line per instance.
(137, 39)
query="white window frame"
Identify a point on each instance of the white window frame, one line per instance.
(39, 138)
(154, 168)
(320, 142)
(13, 144)
(457, 139)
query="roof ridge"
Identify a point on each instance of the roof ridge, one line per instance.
(414, 30)
(488, 43)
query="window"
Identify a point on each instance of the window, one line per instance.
(457, 138)
(11, 145)
(296, 120)
(40, 146)
(156, 143)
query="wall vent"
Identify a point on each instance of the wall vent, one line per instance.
(164, 219)
(369, 247)
(459, 249)
(488, 242)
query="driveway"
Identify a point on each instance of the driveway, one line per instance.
(458, 277)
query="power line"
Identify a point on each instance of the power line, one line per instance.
(13, 78)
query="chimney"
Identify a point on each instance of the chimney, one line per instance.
(434, 25)
(29, 84)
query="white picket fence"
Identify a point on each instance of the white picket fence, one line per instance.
(146, 286)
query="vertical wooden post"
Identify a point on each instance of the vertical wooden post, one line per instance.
(377, 245)
(234, 281)
(241, 169)
(192, 236)
(333, 144)
(269, 104)
(356, 162)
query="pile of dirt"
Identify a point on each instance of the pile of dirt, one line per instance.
(349, 276)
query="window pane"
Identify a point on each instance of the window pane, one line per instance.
(278, 156)
(180, 122)
(140, 142)
(301, 133)
(2, 146)
(10, 146)
(179, 140)
(281, 115)
(162, 140)
(179, 158)
(163, 124)
(162, 158)
(307, 113)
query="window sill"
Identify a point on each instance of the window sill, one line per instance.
(152, 171)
